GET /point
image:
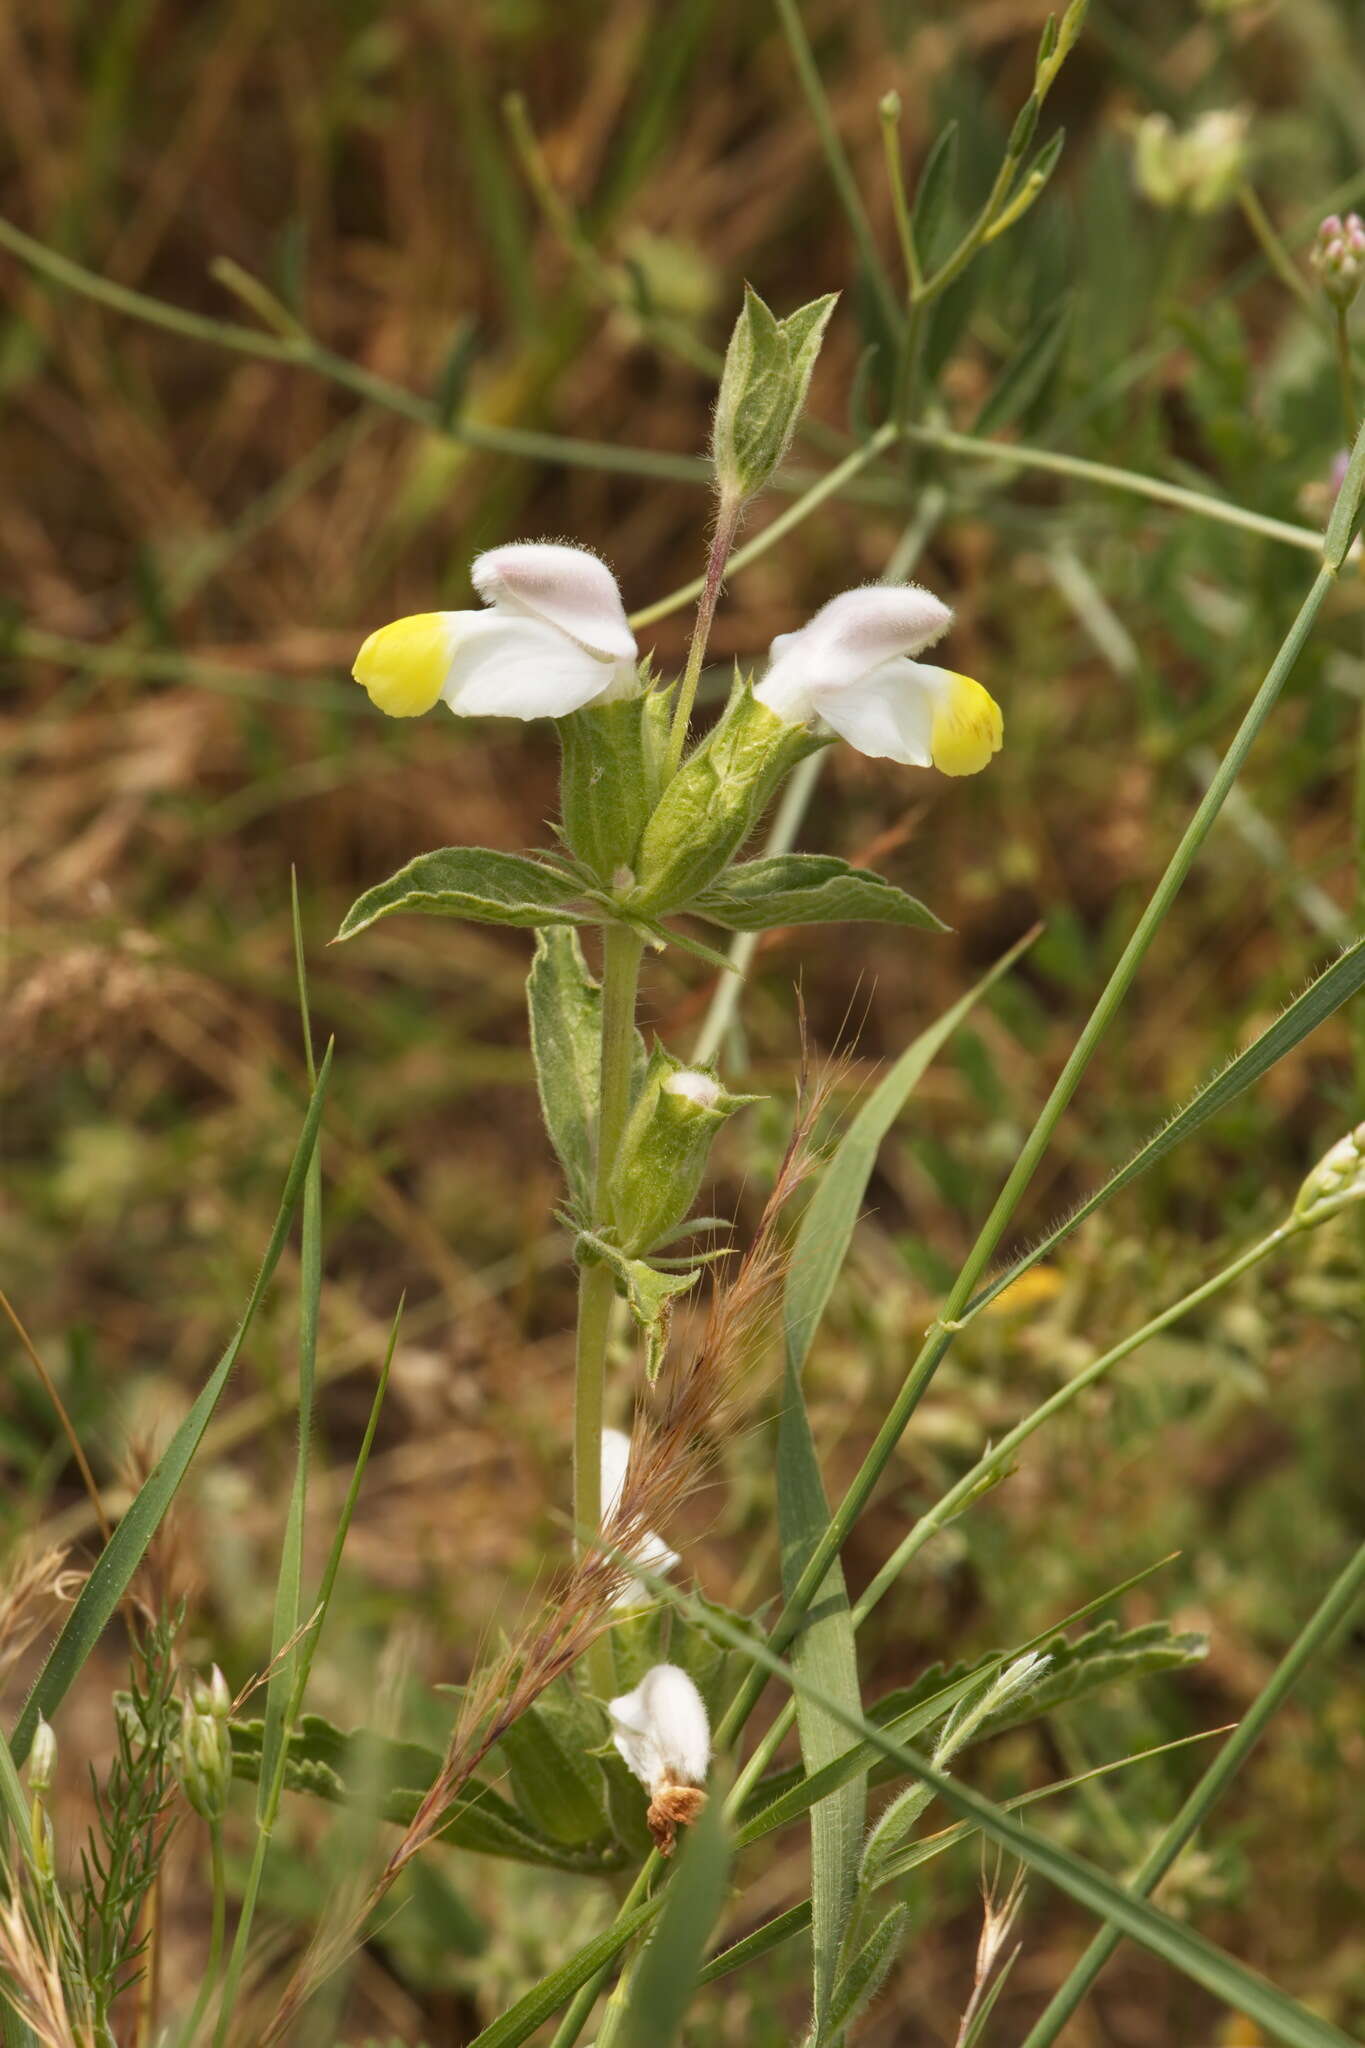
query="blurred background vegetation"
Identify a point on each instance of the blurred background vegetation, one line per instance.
(193, 544)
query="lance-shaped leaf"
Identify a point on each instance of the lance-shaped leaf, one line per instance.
(565, 1006)
(474, 883)
(807, 888)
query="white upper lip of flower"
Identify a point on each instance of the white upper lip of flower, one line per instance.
(651, 1551)
(851, 666)
(661, 1729)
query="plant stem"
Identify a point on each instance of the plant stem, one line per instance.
(722, 540)
(995, 1462)
(1334, 1610)
(596, 1293)
(1345, 373)
(215, 1955)
(1276, 255)
(1116, 988)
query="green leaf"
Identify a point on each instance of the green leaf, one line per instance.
(565, 1006)
(827, 1226)
(556, 1780)
(1333, 987)
(1025, 374)
(1106, 1656)
(932, 215)
(807, 888)
(864, 1976)
(649, 1294)
(393, 1778)
(668, 1970)
(121, 1556)
(475, 883)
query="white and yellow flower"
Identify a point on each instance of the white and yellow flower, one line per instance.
(852, 667)
(553, 637)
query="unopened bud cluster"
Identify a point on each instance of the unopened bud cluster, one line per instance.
(1338, 257)
(1337, 1179)
(204, 1750)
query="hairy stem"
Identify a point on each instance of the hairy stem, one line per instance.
(722, 540)
(596, 1293)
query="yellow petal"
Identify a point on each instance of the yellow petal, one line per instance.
(967, 727)
(404, 666)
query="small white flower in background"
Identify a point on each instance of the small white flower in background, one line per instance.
(1198, 168)
(662, 1731)
(852, 667)
(553, 637)
(651, 1552)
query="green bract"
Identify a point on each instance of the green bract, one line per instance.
(763, 387)
(612, 762)
(714, 801)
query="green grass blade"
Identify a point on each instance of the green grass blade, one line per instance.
(669, 1968)
(521, 2020)
(123, 1553)
(288, 1595)
(827, 1227)
(1187, 1951)
(826, 1652)
(1333, 1610)
(1333, 987)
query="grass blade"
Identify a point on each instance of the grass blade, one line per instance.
(1333, 987)
(121, 1556)
(1201, 1960)
(669, 1968)
(521, 2020)
(1334, 1609)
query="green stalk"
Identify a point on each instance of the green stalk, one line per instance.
(620, 976)
(1116, 988)
(722, 540)
(215, 1954)
(996, 1461)
(1334, 1610)
(1345, 373)
(1276, 255)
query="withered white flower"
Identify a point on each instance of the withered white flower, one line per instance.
(662, 1731)
(852, 667)
(553, 637)
(651, 1552)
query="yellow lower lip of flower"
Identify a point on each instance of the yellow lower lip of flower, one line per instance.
(967, 728)
(403, 667)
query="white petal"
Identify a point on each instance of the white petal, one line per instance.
(502, 666)
(661, 1728)
(615, 1459)
(854, 634)
(562, 586)
(888, 714)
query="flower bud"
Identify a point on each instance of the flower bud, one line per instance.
(664, 1149)
(1337, 1180)
(204, 1748)
(763, 387)
(662, 1731)
(714, 801)
(609, 780)
(1338, 257)
(42, 1759)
